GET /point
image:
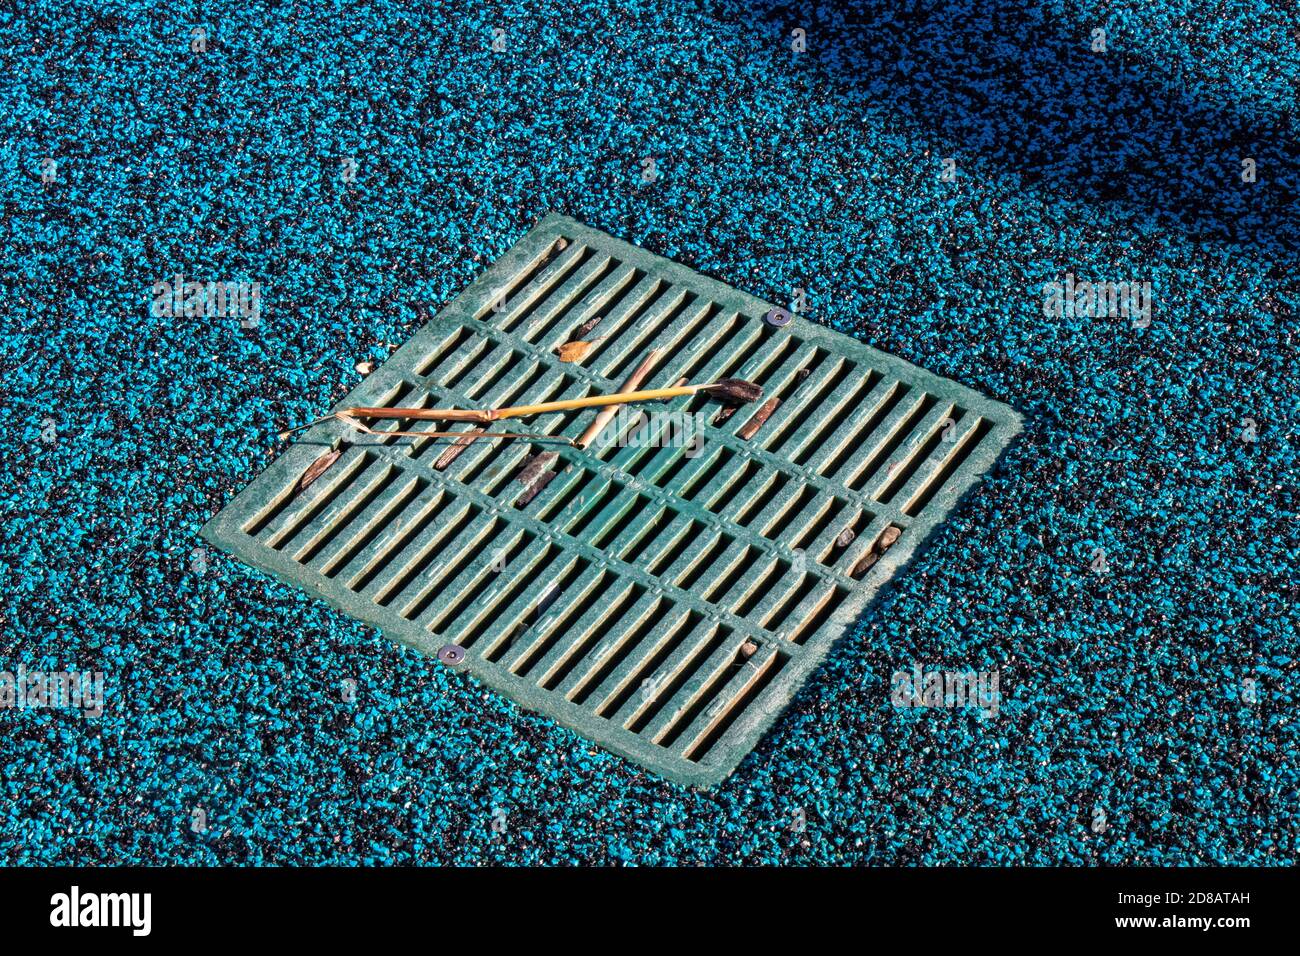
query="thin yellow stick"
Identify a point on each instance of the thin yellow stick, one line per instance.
(518, 411)
(346, 418)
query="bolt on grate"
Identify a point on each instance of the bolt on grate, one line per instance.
(666, 593)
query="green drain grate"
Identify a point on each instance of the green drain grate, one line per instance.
(663, 597)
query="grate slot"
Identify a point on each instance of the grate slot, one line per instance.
(450, 564)
(368, 525)
(693, 694)
(627, 349)
(500, 363)
(682, 533)
(839, 409)
(629, 677)
(784, 512)
(907, 453)
(668, 336)
(461, 365)
(663, 597)
(758, 369)
(931, 480)
(750, 511)
(700, 473)
(557, 500)
(853, 560)
(848, 438)
(516, 562)
(459, 572)
(429, 549)
(807, 534)
(584, 315)
(773, 571)
(862, 468)
(725, 573)
(795, 382)
(326, 527)
(615, 648)
(815, 611)
(626, 511)
(638, 535)
(579, 283)
(305, 505)
(736, 699)
(707, 485)
(664, 684)
(582, 592)
(695, 560)
(619, 616)
(702, 352)
(521, 304)
(450, 345)
(398, 534)
(516, 596)
(590, 503)
(829, 543)
(648, 293)
(743, 484)
(791, 597)
(724, 357)
(526, 274)
(493, 558)
(806, 411)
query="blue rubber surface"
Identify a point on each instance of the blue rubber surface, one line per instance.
(1126, 732)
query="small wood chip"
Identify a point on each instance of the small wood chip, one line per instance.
(534, 466)
(586, 328)
(845, 538)
(887, 538)
(749, 648)
(365, 366)
(757, 420)
(536, 474)
(535, 489)
(864, 565)
(318, 468)
(458, 446)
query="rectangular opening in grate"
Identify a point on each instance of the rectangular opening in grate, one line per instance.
(665, 598)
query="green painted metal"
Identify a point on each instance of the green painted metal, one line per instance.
(664, 598)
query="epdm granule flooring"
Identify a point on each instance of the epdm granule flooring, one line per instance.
(1122, 692)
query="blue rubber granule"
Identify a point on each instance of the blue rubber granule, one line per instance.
(1129, 569)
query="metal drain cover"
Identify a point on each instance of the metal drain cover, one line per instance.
(663, 596)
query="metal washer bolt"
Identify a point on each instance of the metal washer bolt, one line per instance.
(451, 655)
(778, 317)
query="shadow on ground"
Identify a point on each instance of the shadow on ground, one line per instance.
(1014, 88)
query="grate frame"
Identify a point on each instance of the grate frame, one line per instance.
(652, 666)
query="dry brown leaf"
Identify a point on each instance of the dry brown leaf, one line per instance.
(575, 351)
(318, 468)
